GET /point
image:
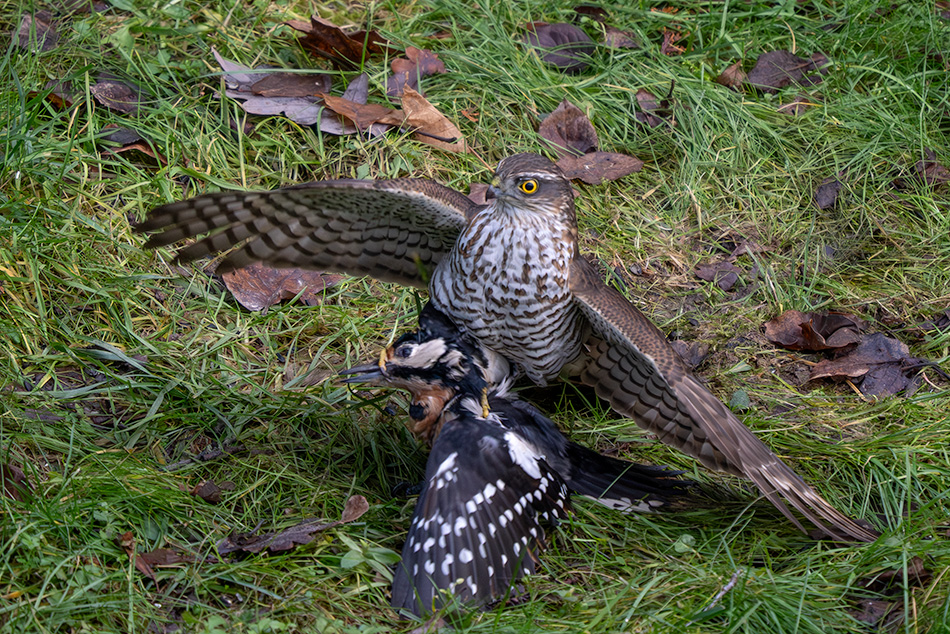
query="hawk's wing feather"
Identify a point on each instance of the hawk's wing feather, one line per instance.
(392, 230)
(632, 366)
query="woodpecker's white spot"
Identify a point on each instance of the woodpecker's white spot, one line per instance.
(447, 464)
(459, 526)
(471, 506)
(465, 555)
(447, 563)
(430, 567)
(426, 547)
(523, 454)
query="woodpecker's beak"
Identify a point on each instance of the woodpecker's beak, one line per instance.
(371, 373)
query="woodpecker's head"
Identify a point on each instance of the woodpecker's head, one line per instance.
(435, 364)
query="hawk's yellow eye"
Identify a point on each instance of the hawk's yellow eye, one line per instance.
(528, 186)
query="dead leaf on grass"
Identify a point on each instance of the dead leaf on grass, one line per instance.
(14, 483)
(596, 167)
(826, 196)
(207, 491)
(733, 77)
(568, 131)
(930, 171)
(407, 71)
(562, 45)
(126, 541)
(777, 69)
(725, 275)
(269, 92)
(796, 330)
(37, 32)
(258, 287)
(127, 140)
(116, 94)
(882, 361)
(692, 354)
(429, 125)
(298, 535)
(654, 111)
(669, 45)
(324, 39)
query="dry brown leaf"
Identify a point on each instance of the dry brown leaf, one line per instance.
(257, 287)
(363, 115)
(723, 274)
(37, 32)
(777, 69)
(116, 94)
(297, 535)
(431, 126)
(127, 542)
(324, 39)
(596, 167)
(826, 196)
(796, 330)
(568, 131)
(562, 45)
(408, 71)
(733, 77)
(14, 483)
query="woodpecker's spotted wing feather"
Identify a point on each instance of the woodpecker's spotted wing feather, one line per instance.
(617, 484)
(480, 521)
(385, 229)
(640, 375)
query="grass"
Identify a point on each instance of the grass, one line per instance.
(118, 364)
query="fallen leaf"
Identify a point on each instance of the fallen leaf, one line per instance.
(654, 111)
(407, 71)
(797, 106)
(723, 274)
(594, 12)
(881, 360)
(616, 38)
(37, 32)
(126, 541)
(257, 287)
(733, 77)
(14, 483)
(669, 46)
(568, 131)
(562, 45)
(930, 171)
(777, 69)
(596, 167)
(268, 92)
(429, 125)
(692, 354)
(207, 491)
(116, 94)
(297, 535)
(813, 331)
(324, 39)
(165, 557)
(826, 196)
(128, 140)
(362, 115)
(356, 92)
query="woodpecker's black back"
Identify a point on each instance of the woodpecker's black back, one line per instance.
(494, 479)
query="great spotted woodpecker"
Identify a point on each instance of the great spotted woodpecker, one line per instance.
(498, 473)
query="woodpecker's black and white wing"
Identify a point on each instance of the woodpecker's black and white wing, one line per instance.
(631, 365)
(392, 230)
(617, 484)
(479, 523)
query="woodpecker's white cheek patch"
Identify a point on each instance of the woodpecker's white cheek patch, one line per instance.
(523, 455)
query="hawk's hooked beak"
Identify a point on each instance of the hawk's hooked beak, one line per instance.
(370, 372)
(494, 189)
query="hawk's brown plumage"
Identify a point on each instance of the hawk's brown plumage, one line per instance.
(509, 273)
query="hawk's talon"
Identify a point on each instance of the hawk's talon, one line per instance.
(485, 409)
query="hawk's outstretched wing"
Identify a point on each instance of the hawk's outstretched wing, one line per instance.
(632, 366)
(393, 230)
